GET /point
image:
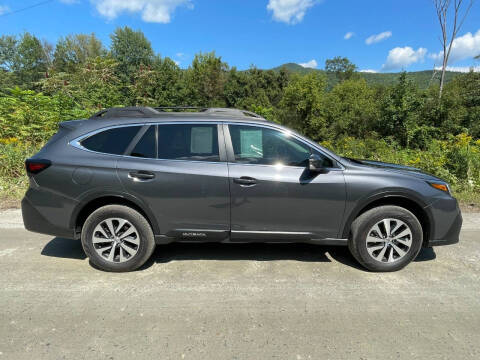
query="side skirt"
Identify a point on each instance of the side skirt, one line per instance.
(232, 237)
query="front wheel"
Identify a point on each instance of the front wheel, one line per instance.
(117, 238)
(385, 238)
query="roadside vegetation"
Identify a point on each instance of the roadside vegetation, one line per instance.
(399, 122)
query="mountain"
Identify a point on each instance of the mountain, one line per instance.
(422, 78)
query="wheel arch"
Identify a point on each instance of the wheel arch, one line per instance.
(87, 206)
(401, 200)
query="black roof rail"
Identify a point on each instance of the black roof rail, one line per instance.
(129, 111)
(165, 108)
(148, 112)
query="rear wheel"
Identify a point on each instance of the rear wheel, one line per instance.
(386, 238)
(117, 238)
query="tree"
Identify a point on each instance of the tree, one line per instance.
(131, 49)
(8, 51)
(442, 9)
(399, 111)
(352, 109)
(205, 80)
(159, 84)
(343, 68)
(74, 50)
(302, 105)
(31, 60)
(93, 86)
(255, 88)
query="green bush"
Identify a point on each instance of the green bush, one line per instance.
(456, 160)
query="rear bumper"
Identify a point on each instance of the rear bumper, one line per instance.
(448, 224)
(34, 221)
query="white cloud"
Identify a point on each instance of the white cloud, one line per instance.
(309, 64)
(463, 69)
(369, 71)
(348, 35)
(463, 47)
(378, 37)
(399, 58)
(4, 9)
(290, 11)
(157, 11)
(179, 54)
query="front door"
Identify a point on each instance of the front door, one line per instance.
(176, 170)
(273, 194)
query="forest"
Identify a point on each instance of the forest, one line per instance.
(397, 121)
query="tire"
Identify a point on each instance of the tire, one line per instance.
(133, 238)
(399, 248)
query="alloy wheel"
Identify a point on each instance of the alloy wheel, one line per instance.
(389, 240)
(116, 240)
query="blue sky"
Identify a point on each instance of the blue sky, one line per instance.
(383, 35)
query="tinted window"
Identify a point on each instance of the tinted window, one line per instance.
(146, 145)
(112, 141)
(257, 145)
(197, 142)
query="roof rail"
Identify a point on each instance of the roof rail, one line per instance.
(148, 112)
(129, 111)
(234, 112)
(218, 111)
(164, 108)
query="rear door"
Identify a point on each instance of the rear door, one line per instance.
(179, 171)
(273, 194)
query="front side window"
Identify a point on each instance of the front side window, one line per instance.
(264, 146)
(198, 142)
(112, 141)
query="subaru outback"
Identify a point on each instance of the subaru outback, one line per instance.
(130, 178)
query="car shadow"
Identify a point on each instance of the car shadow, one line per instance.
(64, 248)
(72, 249)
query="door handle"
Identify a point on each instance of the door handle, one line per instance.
(141, 175)
(245, 180)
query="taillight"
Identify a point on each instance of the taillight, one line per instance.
(34, 166)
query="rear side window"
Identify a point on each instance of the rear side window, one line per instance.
(111, 141)
(198, 142)
(145, 147)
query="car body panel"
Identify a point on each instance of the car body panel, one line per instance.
(184, 196)
(287, 199)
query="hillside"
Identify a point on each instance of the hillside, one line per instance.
(422, 78)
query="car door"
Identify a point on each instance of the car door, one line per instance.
(178, 171)
(274, 196)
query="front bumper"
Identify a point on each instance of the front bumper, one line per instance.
(447, 222)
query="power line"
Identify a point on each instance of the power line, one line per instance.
(27, 7)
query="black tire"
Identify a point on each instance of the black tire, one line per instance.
(143, 250)
(357, 242)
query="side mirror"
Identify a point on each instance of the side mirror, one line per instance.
(315, 163)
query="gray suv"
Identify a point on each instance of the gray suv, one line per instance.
(129, 178)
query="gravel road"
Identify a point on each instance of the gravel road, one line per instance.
(214, 301)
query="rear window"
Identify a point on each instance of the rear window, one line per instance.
(111, 141)
(198, 142)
